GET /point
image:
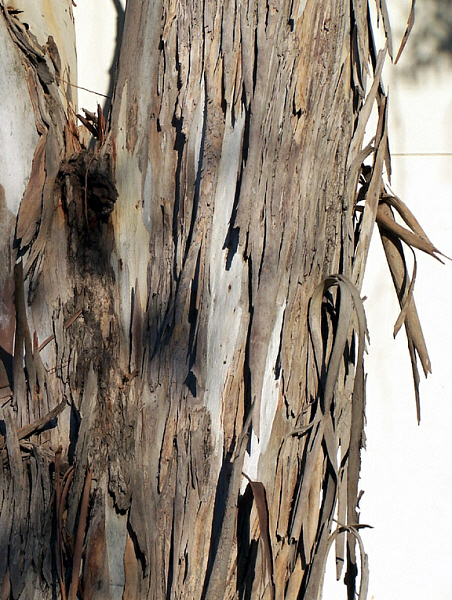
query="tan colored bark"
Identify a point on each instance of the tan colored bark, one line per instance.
(193, 276)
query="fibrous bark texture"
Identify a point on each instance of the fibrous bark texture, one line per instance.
(182, 384)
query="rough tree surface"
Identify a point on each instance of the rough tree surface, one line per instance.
(181, 331)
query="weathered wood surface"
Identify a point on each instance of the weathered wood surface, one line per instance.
(195, 277)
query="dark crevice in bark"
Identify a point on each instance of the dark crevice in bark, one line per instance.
(88, 198)
(179, 147)
(196, 195)
(372, 46)
(233, 235)
(74, 428)
(247, 373)
(232, 239)
(247, 548)
(169, 578)
(246, 134)
(264, 242)
(277, 366)
(255, 57)
(231, 245)
(131, 327)
(193, 316)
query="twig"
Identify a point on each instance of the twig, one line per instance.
(67, 324)
(79, 87)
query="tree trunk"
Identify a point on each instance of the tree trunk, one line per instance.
(182, 333)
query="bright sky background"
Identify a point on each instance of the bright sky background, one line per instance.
(406, 474)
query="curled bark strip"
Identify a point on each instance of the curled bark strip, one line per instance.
(395, 257)
(353, 530)
(405, 302)
(260, 498)
(406, 35)
(322, 431)
(349, 296)
(383, 11)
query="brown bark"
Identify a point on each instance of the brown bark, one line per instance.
(196, 278)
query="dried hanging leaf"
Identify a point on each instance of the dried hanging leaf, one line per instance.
(392, 234)
(409, 237)
(409, 218)
(404, 212)
(409, 27)
(397, 265)
(416, 378)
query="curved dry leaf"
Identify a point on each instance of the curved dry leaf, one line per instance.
(408, 217)
(355, 168)
(404, 212)
(340, 338)
(409, 237)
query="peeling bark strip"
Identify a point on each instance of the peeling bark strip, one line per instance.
(189, 285)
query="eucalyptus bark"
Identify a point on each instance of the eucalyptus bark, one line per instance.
(173, 291)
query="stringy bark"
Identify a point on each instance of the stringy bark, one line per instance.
(187, 395)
